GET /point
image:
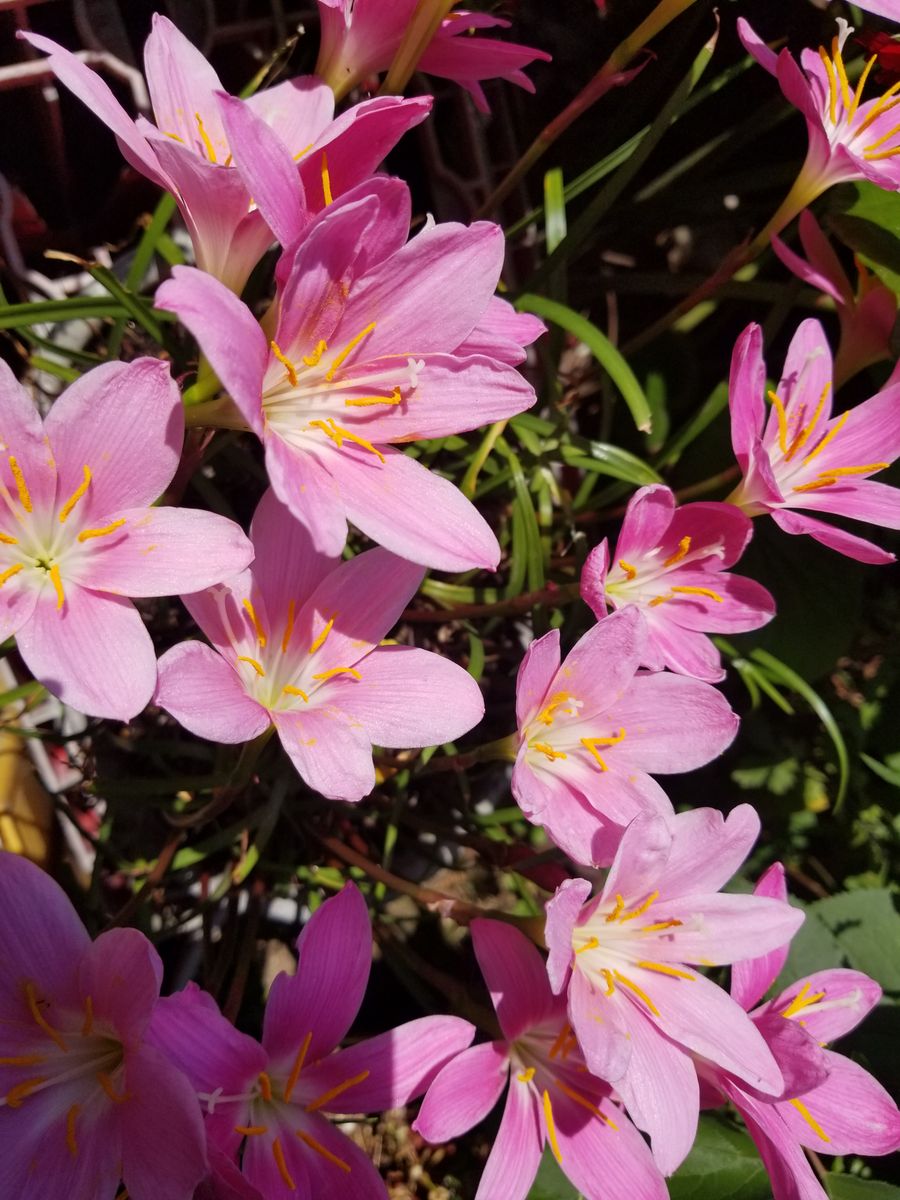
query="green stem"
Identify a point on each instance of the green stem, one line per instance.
(423, 25)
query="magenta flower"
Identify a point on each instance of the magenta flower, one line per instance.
(78, 534)
(636, 1007)
(187, 152)
(369, 348)
(829, 1104)
(867, 314)
(798, 457)
(85, 1100)
(592, 729)
(361, 38)
(671, 564)
(296, 645)
(270, 1102)
(551, 1098)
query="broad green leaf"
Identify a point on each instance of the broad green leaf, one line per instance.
(862, 927)
(851, 1187)
(550, 1183)
(723, 1165)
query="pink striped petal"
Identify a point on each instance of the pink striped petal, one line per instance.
(357, 1179)
(808, 373)
(287, 566)
(563, 911)
(722, 927)
(122, 973)
(846, 998)
(607, 1043)
(646, 520)
(831, 536)
(806, 272)
(330, 752)
(790, 1175)
(309, 492)
(502, 333)
(682, 651)
(464, 1092)
(800, 1057)
(264, 1173)
(707, 849)
(536, 671)
(190, 674)
(516, 1153)
(182, 85)
(747, 384)
(870, 433)
(850, 1113)
(743, 604)
(515, 974)
(640, 863)
(751, 978)
(25, 441)
(297, 111)
(601, 665)
(864, 500)
(593, 580)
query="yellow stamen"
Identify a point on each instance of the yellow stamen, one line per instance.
(665, 969)
(348, 349)
(591, 744)
(10, 571)
(297, 1067)
(16, 1095)
(34, 1008)
(884, 104)
(832, 84)
(21, 485)
(816, 485)
(88, 1026)
(561, 1038)
(290, 690)
(865, 469)
(857, 95)
(368, 401)
(206, 139)
(285, 1174)
(332, 1093)
(614, 915)
(110, 1088)
(71, 1118)
(326, 180)
(641, 908)
(659, 925)
(891, 133)
(804, 434)
(882, 154)
(846, 94)
(305, 150)
(285, 362)
(782, 420)
(610, 982)
(338, 671)
(526, 1076)
(585, 1103)
(683, 547)
(76, 495)
(551, 1128)
(829, 436)
(310, 1141)
(251, 1130)
(547, 715)
(86, 534)
(312, 360)
(548, 751)
(56, 580)
(810, 1119)
(801, 1001)
(629, 570)
(590, 944)
(8, 540)
(173, 136)
(265, 1086)
(639, 992)
(22, 1060)
(260, 632)
(289, 627)
(338, 434)
(699, 591)
(257, 667)
(320, 640)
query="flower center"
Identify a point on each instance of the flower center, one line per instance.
(849, 123)
(628, 583)
(555, 732)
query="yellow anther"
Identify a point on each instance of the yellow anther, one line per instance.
(35, 1009)
(884, 104)
(310, 1141)
(891, 133)
(251, 613)
(673, 924)
(289, 627)
(665, 969)
(285, 362)
(641, 908)
(87, 534)
(326, 180)
(251, 1130)
(832, 84)
(699, 591)
(547, 751)
(829, 436)
(206, 139)
(616, 912)
(801, 1001)
(590, 744)
(297, 1067)
(338, 671)
(305, 150)
(610, 982)
(110, 1088)
(76, 495)
(639, 992)
(561, 1038)
(810, 1119)
(257, 666)
(339, 435)
(584, 1102)
(834, 474)
(683, 548)
(320, 640)
(265, 1086)
(857, 95)
(551, 1128)
(16, 1096)
(846, 94)
(22, 1060)
(629, 570)
(590, 944)
(548, 714)
(348, 350)
(56, 580)
(290, 690)
(333, 1093)
(368, 401)
(312, 360)
(71, 1118)
(527, 1075)
(8, 540)
(173, 136)
(778, 405)
(285, 1174)
(21, 485)
(88, 1026)
(804, 434)
(10, 571)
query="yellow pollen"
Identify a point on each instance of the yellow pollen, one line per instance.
(368, 401)
(590, 744)
(265, 1086)
(829, 436)
(699, 591)
(289, 627)
(56, 580)
(683, 547)
(834, 475)
(173, 136)
(614, 915)
(547, 716)
(548, 751)
(10, 571)
(87, 534)
(109, 1088)
(206, 139)
(251, 1130)
(8, 540)
(551, 1128)
(561, 1038)
(526, 1076)
(810, 1119)
(320, 640)
(584, 1102)
(641, 908)
(312, 360)
(290, 690)
(34, 1008)
(782, 420)
(629, 570)
(338, 671)
(257, 667)
(285, 362)
(801, 1001)
(348, 349)
(326, 180)
(16, 1095)
(310, 1141)
(338, 435)
(76, 495)
(832, 84)
(804, 434)
(660, 925)
(639, 992)
(285, 1174)
(22, 1060)
(21, 485)
(300, 153)
(665, 969)
(334, 1092)
(846, 94)
(590, 944)
(71, 1118)
(857, 95)
(260, 632)
(610, 982)
(88, 1026)
(297, 1067)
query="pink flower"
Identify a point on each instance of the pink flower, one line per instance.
(798, 456)
(297, 646)
(78, 534)
(86, 1101)
(369, 348)
(671, 564)
(361, 38)
(551, 1098)
(273, 1099)
(637, 1009)
(592, 729)
(829, 1104)
(187, 152)
(882, 8)
(867, 315)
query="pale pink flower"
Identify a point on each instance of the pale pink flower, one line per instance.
(797, 456)
(593, 729)
(552, 1099)
(361, 37)
(187, 152)
(637, 1005)
(269, 1103)
(368, 346)
(85, 1101)
(671, 563)
(78, 533)
(881, 8)
(296, 645)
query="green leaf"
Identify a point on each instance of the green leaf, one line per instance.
(860, 929)
(76, 308)
(851, 1187)
(550, 1183)
(723, 1165)
(554, 208)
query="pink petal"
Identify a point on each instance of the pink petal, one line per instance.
(536, 671)
(189, 674)
(571, 820)
(808, 273)
(790, 1175)
(310, 494)
(181, 84)
(601, 665)
(94, 654)
(409, 697)
(25, 441)
(800, 1057)
(603, 1029)
(124, 421)
(808, 371)
(831, 536)
(502, 333)
(297, 111)
(720, 528)
(563, 911)
(744, 604)
(515, 974)
(721, 927)
(640, 863)
(263, 1172)
(17, 601)
(851, 1108)
(863, 500)
(516, 1152)
(848, 997)
(593, 580)
(329, 750)
(647, 517)
(122, 973)
(617, 794)
(707, 849)
(360, 1182)
(747, 384)
(683, 651)
(751, 978)
(224, 1181)
(755, 46)
(287, 565)
(324, 996)
(464, 1092)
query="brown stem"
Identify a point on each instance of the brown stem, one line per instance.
(153, 880)
(553, 593)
